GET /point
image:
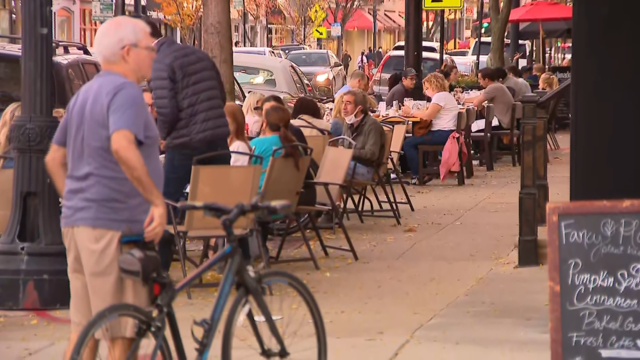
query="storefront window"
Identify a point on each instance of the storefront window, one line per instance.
(88, 27)
(64, 22)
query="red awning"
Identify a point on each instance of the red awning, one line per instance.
(395, 18)
(541, 11)
(384, 23)
(358, 21)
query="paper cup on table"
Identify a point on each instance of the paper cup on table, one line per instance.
(382, 108)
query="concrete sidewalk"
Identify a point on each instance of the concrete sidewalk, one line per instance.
(441, 286)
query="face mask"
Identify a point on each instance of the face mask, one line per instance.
(351, 118)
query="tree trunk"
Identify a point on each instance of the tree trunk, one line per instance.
(217, 40)
(499, 21)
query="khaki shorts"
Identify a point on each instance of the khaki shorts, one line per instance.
(95, 280)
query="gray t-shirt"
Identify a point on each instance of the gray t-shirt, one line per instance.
(97, 192)
(498, 95)
(521, 87)
(398, 93)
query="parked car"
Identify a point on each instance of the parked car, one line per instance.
(280, 54)
(271, 76)
(287, 48)
(322, 68)
(427, 46)
(394, 62)
(73, 66)
(265, 51)
(484, 46)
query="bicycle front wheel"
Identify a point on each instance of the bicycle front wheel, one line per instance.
(295, 313)
(121, 331)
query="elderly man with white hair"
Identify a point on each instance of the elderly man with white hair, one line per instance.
(104, 162)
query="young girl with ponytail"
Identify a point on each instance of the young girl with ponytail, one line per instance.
(274, 135)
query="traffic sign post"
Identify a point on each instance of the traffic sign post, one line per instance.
(320, 32)
(442, 4)
(336, 30)
(317, 14)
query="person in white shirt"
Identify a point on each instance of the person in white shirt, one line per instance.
(252, 109)
(442, 115)
(237, 138)
(362, 61)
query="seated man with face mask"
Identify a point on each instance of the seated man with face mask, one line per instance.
(365, 131)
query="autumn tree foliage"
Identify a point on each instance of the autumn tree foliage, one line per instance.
(298, 13)
(184, 15)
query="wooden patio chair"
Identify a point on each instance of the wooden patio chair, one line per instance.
(433, 151)
(513, 134)
(284, 181)
(379, 181)
(470, 113)
(485, 139)
(224, 184)
(329, 184)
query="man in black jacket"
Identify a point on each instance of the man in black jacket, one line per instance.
(189, 98)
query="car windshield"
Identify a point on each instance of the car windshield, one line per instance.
(254, 76)
(309, 59)
(395, 64)
(289, 49)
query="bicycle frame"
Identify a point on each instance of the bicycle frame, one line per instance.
(236, 272)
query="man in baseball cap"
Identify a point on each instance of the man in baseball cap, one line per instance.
(403, 90)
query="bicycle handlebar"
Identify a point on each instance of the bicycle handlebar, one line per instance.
(229, 215)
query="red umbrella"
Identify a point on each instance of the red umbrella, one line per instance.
(541, 11)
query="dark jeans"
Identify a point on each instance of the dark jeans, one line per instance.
(177, 175)
(410, 146)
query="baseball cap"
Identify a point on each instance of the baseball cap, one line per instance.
(409, 72)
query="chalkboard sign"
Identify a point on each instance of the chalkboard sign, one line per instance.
(594, 280)
(563, 73)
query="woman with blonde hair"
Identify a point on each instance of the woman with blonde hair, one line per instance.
(337, 120)
(252, 110)
(237, 138)
(548, 82)
(8, 116)
(437, 122)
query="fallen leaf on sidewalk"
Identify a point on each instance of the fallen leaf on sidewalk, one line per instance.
(327, 274)
(34, 322)
(411, 228)
(390, 239)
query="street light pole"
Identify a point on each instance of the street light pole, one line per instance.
(479, 40)
(33, 265)
(514, 34)
(137, 7)
(413, 36)
(120, 9)
(375, 32)
(244, 23)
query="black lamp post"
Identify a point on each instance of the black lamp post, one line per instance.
(33, 266)
(413, 36)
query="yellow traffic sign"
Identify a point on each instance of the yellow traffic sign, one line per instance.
(320, 32)
(442, 4)
(317, 14)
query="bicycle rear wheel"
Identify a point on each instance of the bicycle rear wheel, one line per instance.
(246, 324)
(131, 321)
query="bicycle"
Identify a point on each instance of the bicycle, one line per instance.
(248, 307)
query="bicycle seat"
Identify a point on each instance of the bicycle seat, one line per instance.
(141, 262)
